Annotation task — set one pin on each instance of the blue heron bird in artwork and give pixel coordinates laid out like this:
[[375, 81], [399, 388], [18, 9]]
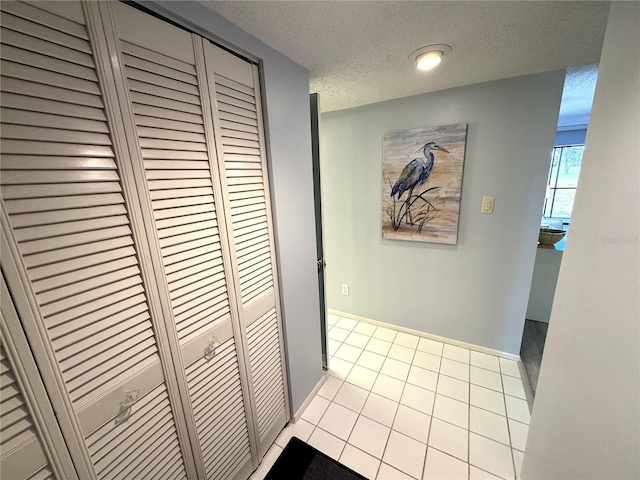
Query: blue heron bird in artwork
[[415, 174]]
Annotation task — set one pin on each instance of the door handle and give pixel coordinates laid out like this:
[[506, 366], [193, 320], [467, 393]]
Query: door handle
[[210, 350], [124, 409]]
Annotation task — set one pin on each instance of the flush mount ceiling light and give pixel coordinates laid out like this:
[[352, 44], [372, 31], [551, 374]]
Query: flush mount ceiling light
[[426, 58]]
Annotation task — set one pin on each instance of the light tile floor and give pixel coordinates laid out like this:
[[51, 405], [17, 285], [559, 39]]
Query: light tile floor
[[398, 406]]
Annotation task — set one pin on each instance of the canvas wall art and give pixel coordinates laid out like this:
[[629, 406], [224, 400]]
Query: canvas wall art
[[422, 183]]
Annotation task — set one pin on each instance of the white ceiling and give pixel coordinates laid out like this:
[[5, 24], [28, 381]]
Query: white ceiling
[[357, 51], [577, 95]]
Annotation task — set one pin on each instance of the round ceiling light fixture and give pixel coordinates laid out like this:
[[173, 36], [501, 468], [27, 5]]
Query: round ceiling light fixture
[[426, 58]]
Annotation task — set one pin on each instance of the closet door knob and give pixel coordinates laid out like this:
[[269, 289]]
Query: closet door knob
[[210, 350], [124, 409]]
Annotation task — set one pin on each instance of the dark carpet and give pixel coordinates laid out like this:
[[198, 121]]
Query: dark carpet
[[300, 461]]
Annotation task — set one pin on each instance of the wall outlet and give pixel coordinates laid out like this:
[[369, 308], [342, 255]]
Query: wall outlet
[[487, 204], [345, 289]]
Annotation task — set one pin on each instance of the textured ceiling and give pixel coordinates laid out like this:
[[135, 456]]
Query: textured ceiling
[[357, 51], [577, 96]]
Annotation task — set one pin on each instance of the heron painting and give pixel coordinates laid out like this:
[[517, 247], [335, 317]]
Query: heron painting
[[422, 183]]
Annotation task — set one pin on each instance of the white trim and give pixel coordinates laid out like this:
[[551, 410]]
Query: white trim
[[458, 343], [310, 397]]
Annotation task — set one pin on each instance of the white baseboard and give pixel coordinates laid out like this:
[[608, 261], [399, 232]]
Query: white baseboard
[[411, 331], [307, 400]]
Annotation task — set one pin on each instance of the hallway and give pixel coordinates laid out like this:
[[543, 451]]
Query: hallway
[[398, 406]]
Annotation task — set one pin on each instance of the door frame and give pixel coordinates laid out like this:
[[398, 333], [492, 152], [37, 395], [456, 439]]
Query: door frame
[[317, 200]]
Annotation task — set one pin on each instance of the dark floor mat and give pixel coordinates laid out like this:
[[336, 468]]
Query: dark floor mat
[[300, 461]]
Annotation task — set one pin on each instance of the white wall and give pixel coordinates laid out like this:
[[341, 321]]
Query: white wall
[[476, 291], [586, 417], [286, 85], [543, 283]]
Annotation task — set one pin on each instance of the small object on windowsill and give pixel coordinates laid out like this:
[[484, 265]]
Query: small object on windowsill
[[548, 222], [550, 236], [558, 247]]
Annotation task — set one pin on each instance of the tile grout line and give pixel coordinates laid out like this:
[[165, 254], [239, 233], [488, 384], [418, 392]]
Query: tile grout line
[[369, 395], [405, 382], [513, 460], [346, 441], [398, 402], [391, 428], [468, 402], [469, 425], [429, 353], [424, 465], [366, 399], [386, 356], [442, 420], [360, 413]]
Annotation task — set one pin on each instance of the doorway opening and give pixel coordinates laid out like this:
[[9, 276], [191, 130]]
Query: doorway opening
[[562, 184], [317, 200]]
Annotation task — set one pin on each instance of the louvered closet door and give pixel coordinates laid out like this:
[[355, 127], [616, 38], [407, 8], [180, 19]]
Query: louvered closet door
[[22, 455], [234, 86], [31, 442], [177, 156], [62, 191]]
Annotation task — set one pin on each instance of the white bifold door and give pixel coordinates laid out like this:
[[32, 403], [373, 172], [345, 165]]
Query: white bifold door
[[137, 248]]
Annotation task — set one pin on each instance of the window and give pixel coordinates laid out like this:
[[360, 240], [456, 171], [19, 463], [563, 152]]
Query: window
[[563, 181]]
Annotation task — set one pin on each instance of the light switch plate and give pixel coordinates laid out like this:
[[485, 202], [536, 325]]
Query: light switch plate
[[345, 289], [487, 204]]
